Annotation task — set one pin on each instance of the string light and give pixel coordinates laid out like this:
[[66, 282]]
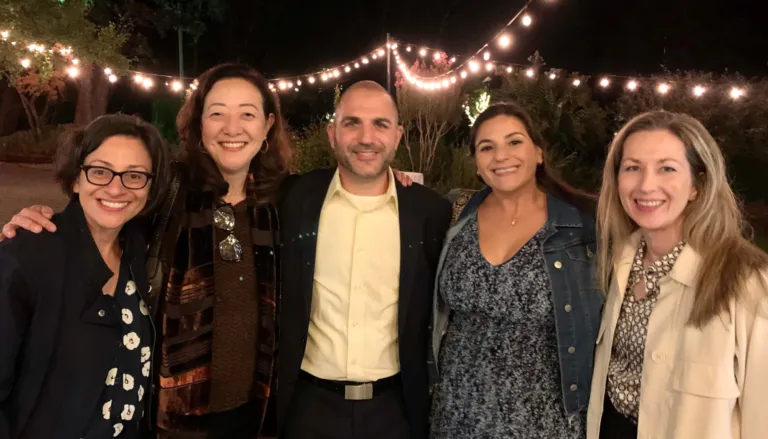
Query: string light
[[437, 56], [632, 85], [527, 20], [509, 69], [489, 66], [408, 49], [505, 41], [113, 78], [663, 88], [107, 71], [25, 63], [474, 66], [148, 83], [73, 72], [736, 93], [553, 76], [576, 82], [529, 73], [177, 86], [487, 56], [605, 82], [423, 52], [699, 91]]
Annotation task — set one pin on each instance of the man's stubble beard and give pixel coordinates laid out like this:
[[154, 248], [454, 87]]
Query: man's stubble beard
[[344, 162]]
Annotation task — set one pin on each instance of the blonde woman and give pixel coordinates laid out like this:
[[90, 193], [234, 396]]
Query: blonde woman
[[681, 351]]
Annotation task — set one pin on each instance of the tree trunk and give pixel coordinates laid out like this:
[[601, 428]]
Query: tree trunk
[[100, 88], [84, 107], [32, 116], [10, 110]]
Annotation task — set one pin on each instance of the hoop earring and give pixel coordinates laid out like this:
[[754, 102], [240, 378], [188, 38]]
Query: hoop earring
[[265, 149]]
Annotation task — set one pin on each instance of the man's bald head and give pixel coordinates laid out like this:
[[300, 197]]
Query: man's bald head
[[366, 87]]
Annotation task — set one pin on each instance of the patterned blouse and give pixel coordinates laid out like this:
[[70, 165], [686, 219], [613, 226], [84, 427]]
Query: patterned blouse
[[625, 370], [121, 407]]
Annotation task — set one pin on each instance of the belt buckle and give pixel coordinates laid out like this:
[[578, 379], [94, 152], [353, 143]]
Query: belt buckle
[[358, 392]]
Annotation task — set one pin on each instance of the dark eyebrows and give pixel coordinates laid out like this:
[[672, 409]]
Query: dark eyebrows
[[110, 165]]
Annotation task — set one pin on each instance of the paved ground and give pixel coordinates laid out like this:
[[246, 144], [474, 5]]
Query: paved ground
[[24, 185]]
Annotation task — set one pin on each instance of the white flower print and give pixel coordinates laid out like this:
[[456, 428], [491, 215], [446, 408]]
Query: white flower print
[[111, 376], [130, 288], [145, 353], [127, 316], [141, 392], [131, 341], [145, 369], [127, 382], [118, 429], [106, 409], [143, 308], [128, 411]]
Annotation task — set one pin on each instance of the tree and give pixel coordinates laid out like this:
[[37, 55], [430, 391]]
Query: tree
[[49, 36], [427, 115]]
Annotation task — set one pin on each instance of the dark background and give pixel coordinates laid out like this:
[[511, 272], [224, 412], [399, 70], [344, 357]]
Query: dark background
[[623, 37]]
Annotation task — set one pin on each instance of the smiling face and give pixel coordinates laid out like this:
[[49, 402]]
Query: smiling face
[[655, 181], [365, 134], [109, 207], [505, 156], [234, 125]]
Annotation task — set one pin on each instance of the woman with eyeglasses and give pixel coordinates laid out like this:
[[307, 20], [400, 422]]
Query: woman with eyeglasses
[[76, 337]]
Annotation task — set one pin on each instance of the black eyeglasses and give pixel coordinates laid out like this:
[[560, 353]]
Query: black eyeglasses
[[101, 176], [230, 248]]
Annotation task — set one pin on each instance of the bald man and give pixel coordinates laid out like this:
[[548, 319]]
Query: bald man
[[360, 253]]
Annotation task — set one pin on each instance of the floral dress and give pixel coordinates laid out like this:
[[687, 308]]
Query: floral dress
[[122, 401]]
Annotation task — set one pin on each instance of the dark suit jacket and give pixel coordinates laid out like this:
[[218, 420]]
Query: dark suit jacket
[[42, 277], [424, 219]]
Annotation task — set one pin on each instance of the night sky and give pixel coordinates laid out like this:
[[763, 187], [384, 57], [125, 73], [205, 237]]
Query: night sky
[[625, 37]]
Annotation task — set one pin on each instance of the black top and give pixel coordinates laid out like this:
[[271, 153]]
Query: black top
[[56, 350], [120, 407]]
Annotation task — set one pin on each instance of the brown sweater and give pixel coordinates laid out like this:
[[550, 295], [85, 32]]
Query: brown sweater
[[235, 324]]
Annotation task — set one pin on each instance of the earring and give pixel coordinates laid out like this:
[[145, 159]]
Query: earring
[[265, 148]]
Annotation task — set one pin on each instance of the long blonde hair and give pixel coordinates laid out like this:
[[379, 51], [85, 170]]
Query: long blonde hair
[[713, 226]]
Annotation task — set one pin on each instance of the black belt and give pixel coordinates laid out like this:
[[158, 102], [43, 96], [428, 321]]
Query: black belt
[[353, 391]]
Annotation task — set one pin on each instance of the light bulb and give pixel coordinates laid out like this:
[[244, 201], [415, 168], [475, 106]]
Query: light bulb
[[529, 73], [576, 82], [423, 52], [112, 78], [505, 41], [489, 66], [487, 55], [605, 82], [176, 86], [311, 79], [138, 79], [552, 76], [527, 20], [73, 72], [25, 63], [107, 71], [474, 66], [663, 88], [736, 93], [509, 69], [699, 91], [148, 83], [632, 85]]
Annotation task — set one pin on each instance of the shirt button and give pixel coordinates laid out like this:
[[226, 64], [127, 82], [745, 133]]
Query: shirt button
[[568, 308], [658, 357], [573, 387], [571, 350], [558, 265], [102, 313], [354, 324]]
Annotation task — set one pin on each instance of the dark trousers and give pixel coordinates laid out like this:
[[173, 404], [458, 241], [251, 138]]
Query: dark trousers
[[614, 425], [317, 413]]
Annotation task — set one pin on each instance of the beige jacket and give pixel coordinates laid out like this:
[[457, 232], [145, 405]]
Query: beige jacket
[[709, 383]]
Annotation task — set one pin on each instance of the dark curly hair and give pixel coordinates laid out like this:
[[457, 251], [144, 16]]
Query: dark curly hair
[[76, 144], [268, 167]]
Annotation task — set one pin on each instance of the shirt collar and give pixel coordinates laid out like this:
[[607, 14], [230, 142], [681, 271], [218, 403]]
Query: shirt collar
[[686, 266], [336, 188]]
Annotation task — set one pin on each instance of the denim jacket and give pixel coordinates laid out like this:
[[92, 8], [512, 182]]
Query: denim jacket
[[569, 251]]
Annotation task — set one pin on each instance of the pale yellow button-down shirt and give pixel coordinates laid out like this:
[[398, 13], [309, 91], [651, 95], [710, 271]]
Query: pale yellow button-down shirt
[[353, 320], [707, 383]]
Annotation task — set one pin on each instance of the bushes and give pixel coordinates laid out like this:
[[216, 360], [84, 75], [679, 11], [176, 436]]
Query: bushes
[[23, 146]]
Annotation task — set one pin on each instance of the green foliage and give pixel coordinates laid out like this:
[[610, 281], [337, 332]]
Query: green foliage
[[164, 112], [312, 150], [56, 26], [190, 16]]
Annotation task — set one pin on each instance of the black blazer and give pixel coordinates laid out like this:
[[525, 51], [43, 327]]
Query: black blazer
[[42, 277], [424, 219]]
